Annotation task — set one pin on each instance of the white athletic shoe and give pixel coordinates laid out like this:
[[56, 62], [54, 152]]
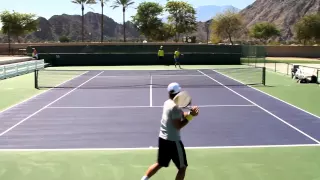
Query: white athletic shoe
[[144, 178]]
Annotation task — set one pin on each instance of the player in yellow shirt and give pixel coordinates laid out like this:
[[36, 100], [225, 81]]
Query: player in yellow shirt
[[177, 58], [161, 54]]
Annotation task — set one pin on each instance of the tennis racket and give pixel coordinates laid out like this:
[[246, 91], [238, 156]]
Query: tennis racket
[[183, 100]]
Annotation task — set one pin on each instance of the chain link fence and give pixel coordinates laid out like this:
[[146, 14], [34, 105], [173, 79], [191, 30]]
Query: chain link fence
[[255, 56]]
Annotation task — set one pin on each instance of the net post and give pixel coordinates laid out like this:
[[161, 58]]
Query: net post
[[264, 76], [36, 79], [255, 61], [318, 76]]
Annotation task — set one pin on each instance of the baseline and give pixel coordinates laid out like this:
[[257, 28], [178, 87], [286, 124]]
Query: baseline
[[124, 107], [154, 148]]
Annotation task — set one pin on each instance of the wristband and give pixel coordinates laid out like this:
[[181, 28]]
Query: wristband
[[189, 117]]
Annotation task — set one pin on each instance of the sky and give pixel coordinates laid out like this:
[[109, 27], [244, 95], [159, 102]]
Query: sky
[[49, 8]]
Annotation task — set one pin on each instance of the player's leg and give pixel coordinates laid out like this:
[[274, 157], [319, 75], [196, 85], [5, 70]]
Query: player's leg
[[179, 63], [180, 160], [175, 62], [152, 170], [162, 161], [160, 59]]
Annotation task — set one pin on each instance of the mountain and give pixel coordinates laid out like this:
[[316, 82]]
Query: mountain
[[70, 26], [283, 13], [205, 13]]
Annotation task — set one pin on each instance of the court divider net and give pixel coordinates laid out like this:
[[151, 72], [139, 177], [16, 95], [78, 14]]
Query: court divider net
[[112, 79]]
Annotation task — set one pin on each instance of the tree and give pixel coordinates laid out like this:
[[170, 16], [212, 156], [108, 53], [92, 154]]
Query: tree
[[147, 21], [226, 25], [102, 3], [17, 24], [165, 32], [215, 39], [182, 16], [264, 31], [64, 39], [124, 4], [83, 3], [308, 28]]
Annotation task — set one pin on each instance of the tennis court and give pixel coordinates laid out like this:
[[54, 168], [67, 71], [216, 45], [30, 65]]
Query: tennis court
[[122, 109]]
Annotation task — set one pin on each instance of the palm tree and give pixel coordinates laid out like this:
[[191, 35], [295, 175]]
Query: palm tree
[[103, 2], [125, 4], [82, 3]]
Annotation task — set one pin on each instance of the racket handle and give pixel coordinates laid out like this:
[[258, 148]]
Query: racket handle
[[189, 108]]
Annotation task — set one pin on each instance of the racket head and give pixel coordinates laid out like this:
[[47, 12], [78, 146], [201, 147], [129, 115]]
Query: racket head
[[182, 99]]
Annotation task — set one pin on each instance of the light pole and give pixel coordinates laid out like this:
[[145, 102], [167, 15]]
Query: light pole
[[90, 34], [207, 29], [9, 41]]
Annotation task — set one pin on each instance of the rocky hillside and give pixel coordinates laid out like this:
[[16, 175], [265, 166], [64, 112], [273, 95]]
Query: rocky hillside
[[284, 13], [70, 26]]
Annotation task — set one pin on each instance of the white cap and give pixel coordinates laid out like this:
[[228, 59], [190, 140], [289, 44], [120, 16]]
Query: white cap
[[174, 88]]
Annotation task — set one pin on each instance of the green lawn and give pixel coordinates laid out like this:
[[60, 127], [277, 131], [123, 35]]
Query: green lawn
[[16, 89], [295, 163], [305, 96], [292, 163]]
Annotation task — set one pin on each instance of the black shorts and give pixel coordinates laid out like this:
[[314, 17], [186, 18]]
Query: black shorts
[[160, 57], [171, 150]]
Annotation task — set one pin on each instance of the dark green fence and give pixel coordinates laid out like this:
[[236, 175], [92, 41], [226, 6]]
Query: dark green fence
[[139, 48], [251, 55], [88, 59], [93, 55]]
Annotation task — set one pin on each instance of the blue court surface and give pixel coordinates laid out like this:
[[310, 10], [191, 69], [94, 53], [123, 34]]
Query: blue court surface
[[122, 109]]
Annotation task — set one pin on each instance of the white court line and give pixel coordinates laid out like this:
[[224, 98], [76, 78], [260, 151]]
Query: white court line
[[293, 127], [179, 75], [44, 107], [151, 91], [128, 107], [126, 77], [270, 94], [154, 148], [31, 98]]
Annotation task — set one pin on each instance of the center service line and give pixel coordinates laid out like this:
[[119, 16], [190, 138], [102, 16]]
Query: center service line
[[150, 91]]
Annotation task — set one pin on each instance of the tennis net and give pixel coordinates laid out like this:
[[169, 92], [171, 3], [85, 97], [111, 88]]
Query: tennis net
[[93, 79], [318, 76]]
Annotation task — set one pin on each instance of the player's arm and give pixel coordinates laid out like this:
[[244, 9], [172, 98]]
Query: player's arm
[[179, 124]]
